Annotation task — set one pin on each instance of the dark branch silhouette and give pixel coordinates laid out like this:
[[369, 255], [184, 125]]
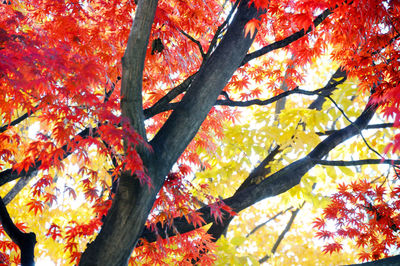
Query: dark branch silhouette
[[288, 40], [275, 184], [281, 236], [25, 241], [17, 120], [357, 162]]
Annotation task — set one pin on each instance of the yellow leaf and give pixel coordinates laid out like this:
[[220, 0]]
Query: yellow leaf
[[331, 171], [346, 171], [238, 240]]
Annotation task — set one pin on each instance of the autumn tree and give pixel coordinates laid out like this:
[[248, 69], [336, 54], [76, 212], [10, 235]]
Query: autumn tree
[[146, 131]]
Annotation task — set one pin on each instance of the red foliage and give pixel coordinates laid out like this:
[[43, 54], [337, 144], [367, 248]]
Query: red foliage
[[366, 213], [61, 61]]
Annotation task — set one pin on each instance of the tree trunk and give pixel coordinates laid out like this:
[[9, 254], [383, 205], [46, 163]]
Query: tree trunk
[[132, 204], [127, 217]]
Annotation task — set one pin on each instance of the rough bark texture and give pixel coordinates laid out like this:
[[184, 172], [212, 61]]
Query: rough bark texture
[[214, 74], [125, 221], [123, 224], [132, 203]]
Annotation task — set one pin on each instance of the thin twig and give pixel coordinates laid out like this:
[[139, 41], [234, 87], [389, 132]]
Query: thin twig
[[282, 235], [374, 126], [269, 220], [357, 162], [196, 42], [361, 134]]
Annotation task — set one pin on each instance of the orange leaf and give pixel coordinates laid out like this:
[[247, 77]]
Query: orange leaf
[[251, 27]]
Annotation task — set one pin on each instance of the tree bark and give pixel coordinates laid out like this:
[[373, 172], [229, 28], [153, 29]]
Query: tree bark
[[132, 204], [273, 185], [391, 261]]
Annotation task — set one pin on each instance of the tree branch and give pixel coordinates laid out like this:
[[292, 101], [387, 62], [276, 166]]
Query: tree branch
[[17, 120], [133, 65], [275, 184], [269, 220], [391, 261], [10, 174], [339, 77], [162, 104], [374, 126], [220, 28], [132, 202], [348, 119], [288, 40], [296, 90], [356, 162], [25, 241], [282, 235], [214, 74], [219, 228], [196, 42], [228, 102], [22, 182]]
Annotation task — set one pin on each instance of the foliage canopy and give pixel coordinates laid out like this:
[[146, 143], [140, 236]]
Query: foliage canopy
[[191, 133]]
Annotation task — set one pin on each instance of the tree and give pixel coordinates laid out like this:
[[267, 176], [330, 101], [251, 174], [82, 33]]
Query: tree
[[124, 137]]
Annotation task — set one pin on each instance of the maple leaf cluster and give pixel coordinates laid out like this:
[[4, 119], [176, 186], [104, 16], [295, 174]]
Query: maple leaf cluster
[[366, 213], [64, 73], [180, 198], [60, 66]]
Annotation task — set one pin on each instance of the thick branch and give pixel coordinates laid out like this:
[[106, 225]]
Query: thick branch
[[217, 229], [339, 77], [391, 261], [133, 65], [276, 183], [132, 202], [221, 28], [25, 241], [162, 104], [214, 74], [261, 170], [22, 182]]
